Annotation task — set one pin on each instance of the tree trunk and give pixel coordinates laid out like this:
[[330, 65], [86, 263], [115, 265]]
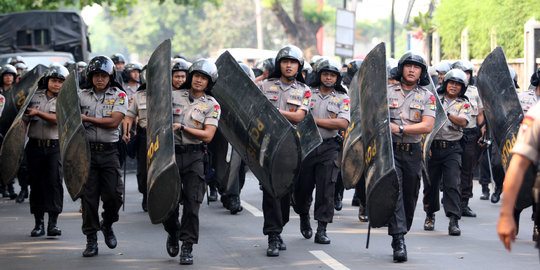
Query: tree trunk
[[300, 32]]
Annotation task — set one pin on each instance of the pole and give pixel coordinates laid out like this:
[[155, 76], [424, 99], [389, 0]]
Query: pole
[[392, 32]]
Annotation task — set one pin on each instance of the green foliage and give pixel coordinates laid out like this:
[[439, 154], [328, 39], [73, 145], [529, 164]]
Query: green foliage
[[504, 18], [368, 34], [309, 9]]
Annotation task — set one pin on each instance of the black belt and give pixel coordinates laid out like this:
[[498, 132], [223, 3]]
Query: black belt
[[95, 146], [470, 130], [406, 147], [444, 144], [44, 143], [187, 148]]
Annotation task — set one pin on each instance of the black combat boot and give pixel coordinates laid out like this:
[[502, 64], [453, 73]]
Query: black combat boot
[[338, 203], [212, 196], [273, 245], [52, 229], [23, 194], [108, 235], [173, 248], [39, 228], [91, 246], [320, 236], [234, 204], [144, 203], [186, 257], [485, 192], [11, 191], [305, 226], [429, 223], [453, 227], [466, 211], [400, 250], [282, 245], [362, 214], [496, 196]]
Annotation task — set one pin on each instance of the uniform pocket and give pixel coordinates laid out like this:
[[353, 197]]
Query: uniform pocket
[[415, 112]]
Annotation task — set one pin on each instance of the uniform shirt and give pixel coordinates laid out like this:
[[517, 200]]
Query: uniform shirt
[[409, 110], [38, 128], [331, 106], [476, 104], [293, 97], [137, 107], [528, 139], [194, 114], [458, 107], [130, 91], [2, 104], [92, 105], [527, 99]]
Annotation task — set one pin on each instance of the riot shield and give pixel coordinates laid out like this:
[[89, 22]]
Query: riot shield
[[16, 96], [74, 147], [309, 135], [221, 152], [163, 175], [265, 140], [440, 119], [503, 113], [382, 185], [12, 150], [352, 162]]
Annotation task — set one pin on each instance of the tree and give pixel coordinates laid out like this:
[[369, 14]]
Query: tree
[[424, 27]]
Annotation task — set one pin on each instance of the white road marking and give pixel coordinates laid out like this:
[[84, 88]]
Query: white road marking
[[252, 209], [325, 258]]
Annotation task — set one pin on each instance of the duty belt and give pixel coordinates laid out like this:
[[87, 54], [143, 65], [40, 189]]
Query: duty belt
[[443, 144], [405, 147], [100, 147], [187, 148], [44, 143]]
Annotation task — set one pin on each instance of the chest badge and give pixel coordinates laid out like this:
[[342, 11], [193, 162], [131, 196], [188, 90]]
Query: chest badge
[[347, 103], [122, 97]]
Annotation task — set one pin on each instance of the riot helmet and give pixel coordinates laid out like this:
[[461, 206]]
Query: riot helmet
[[129, 68], [101, 63], [118, 58], [443, 67], [464, 65], [456, 75], [307, 68], [353, 67], [513, 75], [417, 60], [80, 65], [293, 53], [55, 70], [21, 68], [332, 65], [535, 78], [179, 64], [247, 70], [314, 59], [8, 69], [15, 60], [205, 67]]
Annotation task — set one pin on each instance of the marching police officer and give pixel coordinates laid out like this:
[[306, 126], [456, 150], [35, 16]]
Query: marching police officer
[[8, 76], [412, 113], [131, 75], [119, 61], [330, 108], [43, 152], [103, 107], [286, 90], [445, 161], [195, 120]]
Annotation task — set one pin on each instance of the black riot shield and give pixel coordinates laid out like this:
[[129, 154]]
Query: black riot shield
[[352, 162], [163, 175], [440, 119], [503, 113], [220, 150], [74, 147], [12, 150], [382, 186], [16, 96], [309, 135], [265, 140]]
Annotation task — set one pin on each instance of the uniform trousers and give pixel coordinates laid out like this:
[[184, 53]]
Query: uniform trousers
[[319, 169], [409, 170], [191, 169], [275, 212], [142, 171], [104, 181], [445, 164], [470, 156], [45, 172]]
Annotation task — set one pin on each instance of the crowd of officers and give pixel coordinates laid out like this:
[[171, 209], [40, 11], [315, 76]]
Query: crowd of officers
[[114, 112]]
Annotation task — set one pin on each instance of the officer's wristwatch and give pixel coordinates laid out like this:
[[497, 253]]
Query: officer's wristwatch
[[181, 127], [401, 128]]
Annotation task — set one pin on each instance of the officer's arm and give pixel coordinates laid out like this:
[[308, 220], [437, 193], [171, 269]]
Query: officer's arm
[[126, 125], [49, 117], [458, 121], [419, 128], [506, 227], [106, 122], [294, 117], [206, 135], [332, 123]]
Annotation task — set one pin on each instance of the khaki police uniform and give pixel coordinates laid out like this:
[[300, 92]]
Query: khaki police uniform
[[320, 167], [43, 156], [527, 99], [407, 109], [190, 151], [104, 180], [137, 107], [293, 97], [2, 104], [445, 161], [130, 90]]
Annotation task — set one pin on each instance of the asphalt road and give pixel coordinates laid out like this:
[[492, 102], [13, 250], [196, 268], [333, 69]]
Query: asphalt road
[[236, 241]]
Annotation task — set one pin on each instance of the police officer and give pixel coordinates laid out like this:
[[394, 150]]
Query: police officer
[[442, 68], [131, 75], [103, 107], [266, 67], [8, 76], [330, 108], [286, 90], [445, 161], [471, 136], [412, 113], [119, 61], [43, 152], [195, 120]]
